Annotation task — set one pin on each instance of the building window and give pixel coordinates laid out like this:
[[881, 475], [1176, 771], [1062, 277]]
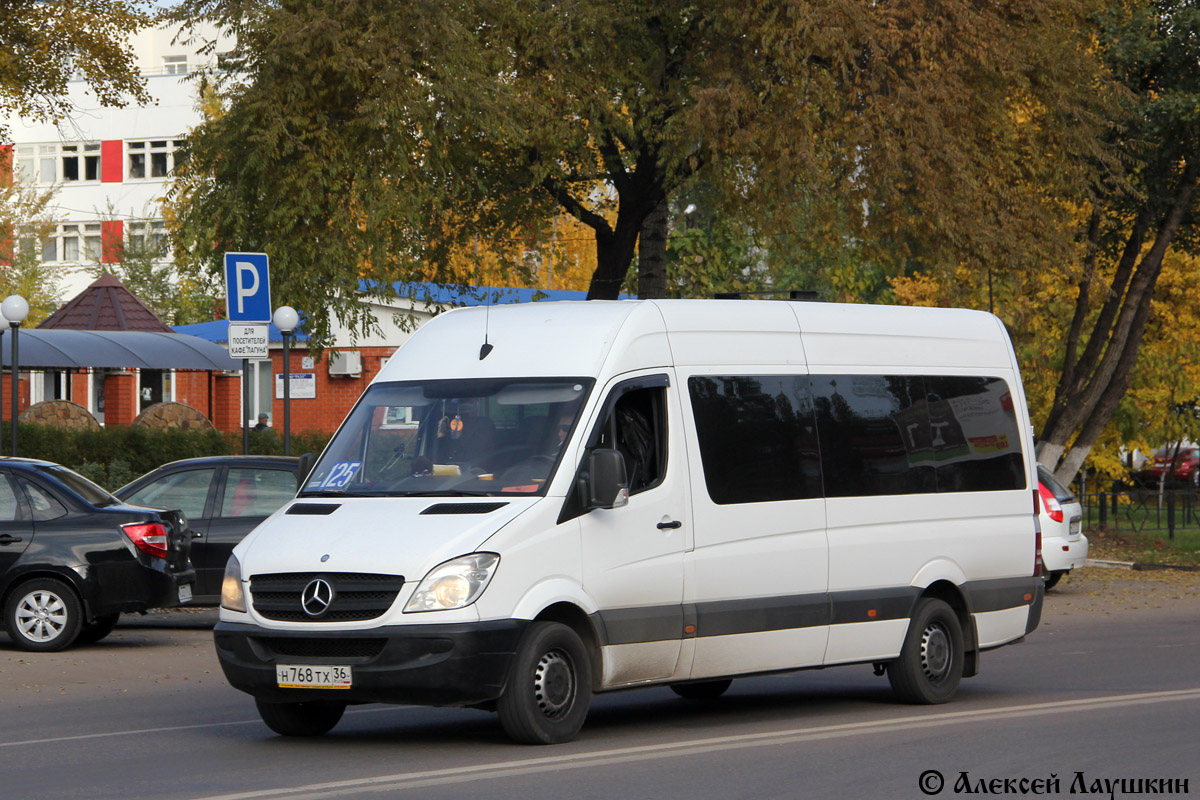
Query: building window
[[75, 242], [47, 163], [153, 159], [148, 236], [81, 162], [24, 162], [175, 65], [92, 244], [69, 236]]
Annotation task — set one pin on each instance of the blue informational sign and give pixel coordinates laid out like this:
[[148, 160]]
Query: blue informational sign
[[247, 287]]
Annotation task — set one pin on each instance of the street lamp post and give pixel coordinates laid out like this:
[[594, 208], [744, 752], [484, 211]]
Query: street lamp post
[[1, 381], [286, 319], [14, 309]]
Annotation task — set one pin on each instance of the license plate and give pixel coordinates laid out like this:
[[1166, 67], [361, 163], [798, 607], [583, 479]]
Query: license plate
[[1076, 526], [185, 593], [312, 676]]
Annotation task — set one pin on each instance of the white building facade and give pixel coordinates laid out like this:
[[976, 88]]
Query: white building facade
[[111, 166]]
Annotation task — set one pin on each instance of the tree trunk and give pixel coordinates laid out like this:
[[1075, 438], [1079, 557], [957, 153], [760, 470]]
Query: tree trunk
[[614, 254], [1084, 404], [652, 254]]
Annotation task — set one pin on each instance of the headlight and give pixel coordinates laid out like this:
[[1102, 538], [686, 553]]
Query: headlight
[[454, 584], [232, 596]]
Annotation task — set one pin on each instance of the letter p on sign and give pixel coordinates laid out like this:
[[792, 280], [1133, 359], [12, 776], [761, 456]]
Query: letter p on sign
[[247, 287]]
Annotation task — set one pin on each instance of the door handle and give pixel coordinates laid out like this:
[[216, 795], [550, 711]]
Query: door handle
[[670, 526], [8, 539]]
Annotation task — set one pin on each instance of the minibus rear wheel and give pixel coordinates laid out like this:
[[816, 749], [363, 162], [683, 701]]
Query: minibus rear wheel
[[930, 665], [550, 687], [300, 719]]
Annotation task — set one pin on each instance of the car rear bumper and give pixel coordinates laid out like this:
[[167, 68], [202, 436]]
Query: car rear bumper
[[441, 665], [1060, 555]]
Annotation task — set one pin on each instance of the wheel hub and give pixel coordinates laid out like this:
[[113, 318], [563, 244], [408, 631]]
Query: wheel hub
[[554, 684], [935, 652], [40, 616]]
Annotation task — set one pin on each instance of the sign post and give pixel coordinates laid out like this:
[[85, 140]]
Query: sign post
[[247, 301]]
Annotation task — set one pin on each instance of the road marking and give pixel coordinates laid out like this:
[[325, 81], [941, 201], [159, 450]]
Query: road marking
[[692, 747], [144, 731]]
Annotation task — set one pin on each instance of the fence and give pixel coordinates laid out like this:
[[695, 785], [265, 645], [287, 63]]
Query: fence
[[1142, 510]]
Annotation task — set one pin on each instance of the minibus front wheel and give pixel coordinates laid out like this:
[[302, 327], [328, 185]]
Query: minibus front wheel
[[300, 719], [930, 665], [550, 687]]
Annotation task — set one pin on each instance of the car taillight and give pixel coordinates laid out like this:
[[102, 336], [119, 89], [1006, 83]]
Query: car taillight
[[1053, 507], [149, 537]]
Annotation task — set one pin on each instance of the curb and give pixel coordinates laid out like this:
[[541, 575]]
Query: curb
[[1138, 566]]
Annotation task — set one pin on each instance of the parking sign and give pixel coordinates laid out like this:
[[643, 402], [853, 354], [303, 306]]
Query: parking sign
[[247, 287]]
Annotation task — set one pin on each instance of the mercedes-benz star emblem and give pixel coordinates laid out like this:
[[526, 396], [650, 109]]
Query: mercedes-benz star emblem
[[316, 597]]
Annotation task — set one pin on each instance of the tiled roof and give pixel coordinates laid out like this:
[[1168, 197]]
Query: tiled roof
[[106, 305]]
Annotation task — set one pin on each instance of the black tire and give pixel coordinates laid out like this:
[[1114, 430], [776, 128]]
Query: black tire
[[43, 615], [314, 718], [1052, 578], [549, 688], [701, 690], [930, 665], [92, 632]]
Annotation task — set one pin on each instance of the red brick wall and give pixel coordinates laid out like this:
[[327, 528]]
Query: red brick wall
[[227, 402], [6, 394], [193, 389], [79, 388], [120, 399], [336, 394]]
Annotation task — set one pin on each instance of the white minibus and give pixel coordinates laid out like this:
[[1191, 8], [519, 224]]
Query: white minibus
[[534, 503]]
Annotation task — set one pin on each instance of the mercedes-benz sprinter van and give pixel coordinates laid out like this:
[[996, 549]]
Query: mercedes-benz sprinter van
[[534, 503]]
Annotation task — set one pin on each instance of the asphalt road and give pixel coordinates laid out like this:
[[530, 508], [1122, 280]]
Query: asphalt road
[[1107, 689]]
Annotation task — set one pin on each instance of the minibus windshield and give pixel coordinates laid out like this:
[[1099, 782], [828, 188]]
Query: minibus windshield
[[451, 438]]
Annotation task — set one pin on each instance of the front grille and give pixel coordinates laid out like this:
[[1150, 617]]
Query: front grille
[[324, 648], [356, 596]]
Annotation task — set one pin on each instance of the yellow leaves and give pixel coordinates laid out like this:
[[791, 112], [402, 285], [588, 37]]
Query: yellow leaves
[[922, 289]]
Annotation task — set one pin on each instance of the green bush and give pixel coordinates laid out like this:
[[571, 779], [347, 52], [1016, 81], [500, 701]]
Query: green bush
[[114, 456]]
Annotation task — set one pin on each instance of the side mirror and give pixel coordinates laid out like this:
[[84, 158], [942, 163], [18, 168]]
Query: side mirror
[[608, 486], [306, 464]]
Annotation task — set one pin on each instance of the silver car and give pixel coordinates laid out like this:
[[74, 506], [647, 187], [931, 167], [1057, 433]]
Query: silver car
[[1064, 547]]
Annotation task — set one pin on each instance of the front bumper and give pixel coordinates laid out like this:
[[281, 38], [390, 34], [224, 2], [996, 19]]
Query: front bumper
[[439, 665]]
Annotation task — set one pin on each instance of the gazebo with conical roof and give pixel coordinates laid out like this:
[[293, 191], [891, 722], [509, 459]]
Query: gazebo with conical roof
[[106, 305], [111, 353]]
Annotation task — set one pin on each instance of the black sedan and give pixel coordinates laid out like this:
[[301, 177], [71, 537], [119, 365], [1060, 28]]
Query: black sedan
[[224, 498], [73, 556]]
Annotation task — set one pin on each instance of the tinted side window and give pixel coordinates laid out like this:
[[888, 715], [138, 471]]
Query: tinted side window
[[757, 438], [256, 492], [43, 505], [874, 434], [186, 491], [976, 441], [637, 427], [10, 509]]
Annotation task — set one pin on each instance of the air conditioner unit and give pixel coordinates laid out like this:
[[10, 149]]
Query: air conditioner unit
[[345, 362]]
